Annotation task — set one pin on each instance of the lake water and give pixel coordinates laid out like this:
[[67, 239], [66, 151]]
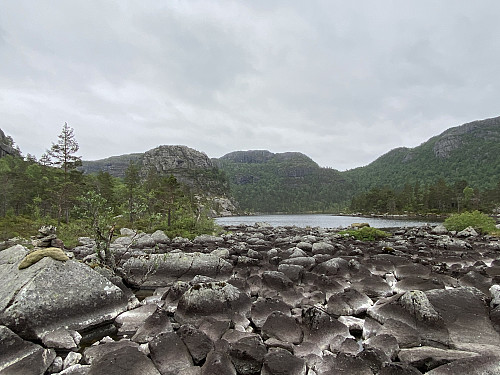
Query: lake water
[[323, 221]]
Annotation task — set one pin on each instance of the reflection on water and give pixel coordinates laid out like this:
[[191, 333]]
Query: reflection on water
[[323, 221]]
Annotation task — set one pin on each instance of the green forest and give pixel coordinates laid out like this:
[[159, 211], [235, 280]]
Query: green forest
[[423, 199], [53, 191]]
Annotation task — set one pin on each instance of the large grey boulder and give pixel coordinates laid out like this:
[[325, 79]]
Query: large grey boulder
[[216, 299], [159, 270], [19, 357], [465, 313], [51, 294]]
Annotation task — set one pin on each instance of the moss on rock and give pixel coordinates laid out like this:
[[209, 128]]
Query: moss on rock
[[35, 256]]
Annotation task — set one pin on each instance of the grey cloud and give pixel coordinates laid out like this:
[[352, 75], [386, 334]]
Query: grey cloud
[[343, 82]]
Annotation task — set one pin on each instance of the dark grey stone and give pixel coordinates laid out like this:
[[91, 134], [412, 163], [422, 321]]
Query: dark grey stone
[[123, 361], [20, 357], [169, 353]]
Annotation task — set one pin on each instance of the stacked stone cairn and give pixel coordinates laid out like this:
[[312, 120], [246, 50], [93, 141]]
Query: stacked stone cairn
[[47, 237]]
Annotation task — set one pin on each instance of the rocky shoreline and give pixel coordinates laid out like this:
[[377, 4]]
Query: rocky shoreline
[[256, 300]]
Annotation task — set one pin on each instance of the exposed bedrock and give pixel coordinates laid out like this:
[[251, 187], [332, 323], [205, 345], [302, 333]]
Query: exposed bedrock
[[260, 300]]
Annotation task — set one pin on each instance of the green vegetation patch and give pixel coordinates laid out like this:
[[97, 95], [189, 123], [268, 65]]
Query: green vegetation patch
[[479, 221], [366, 233]]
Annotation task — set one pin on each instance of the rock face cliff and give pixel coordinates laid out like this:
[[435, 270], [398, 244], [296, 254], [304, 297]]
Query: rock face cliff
[[5, 146], [454, 138], [190, 167]]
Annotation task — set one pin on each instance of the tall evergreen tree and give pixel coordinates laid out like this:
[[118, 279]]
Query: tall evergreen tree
[[63, 152], [62, 155]]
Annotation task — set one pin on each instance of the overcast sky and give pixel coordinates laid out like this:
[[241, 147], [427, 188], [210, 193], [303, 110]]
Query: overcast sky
[[340, 81]]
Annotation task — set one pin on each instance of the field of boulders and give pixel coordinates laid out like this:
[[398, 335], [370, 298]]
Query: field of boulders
[[256, 300]]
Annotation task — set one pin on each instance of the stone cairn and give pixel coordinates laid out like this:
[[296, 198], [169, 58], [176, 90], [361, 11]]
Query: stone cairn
[[47, 237]]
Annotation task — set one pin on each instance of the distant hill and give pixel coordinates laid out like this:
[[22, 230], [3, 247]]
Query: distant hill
[[469, 152], [188, 166], [262, 181]]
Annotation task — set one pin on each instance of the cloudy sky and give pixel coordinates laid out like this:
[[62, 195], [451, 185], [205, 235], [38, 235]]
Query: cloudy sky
[[341, 81]]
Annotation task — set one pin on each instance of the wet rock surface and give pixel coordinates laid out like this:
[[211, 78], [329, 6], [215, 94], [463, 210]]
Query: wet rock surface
[[263, 300]]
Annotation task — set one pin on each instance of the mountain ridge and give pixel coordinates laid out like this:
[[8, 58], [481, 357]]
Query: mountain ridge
[[263, 181]]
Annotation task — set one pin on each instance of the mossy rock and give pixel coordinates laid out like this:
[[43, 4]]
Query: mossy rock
[[35, 256]]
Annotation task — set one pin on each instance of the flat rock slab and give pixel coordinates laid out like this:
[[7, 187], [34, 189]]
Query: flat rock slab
[[129, 321], [51, 294], [426, 358], [159, 270]]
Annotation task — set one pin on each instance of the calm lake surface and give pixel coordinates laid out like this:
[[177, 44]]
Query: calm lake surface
[[323, 221]]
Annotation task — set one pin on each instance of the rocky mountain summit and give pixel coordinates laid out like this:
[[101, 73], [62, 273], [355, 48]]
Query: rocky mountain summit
[[258, 300], [190, 167]]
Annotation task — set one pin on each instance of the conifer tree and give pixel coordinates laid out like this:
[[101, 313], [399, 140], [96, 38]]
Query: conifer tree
[[62, 155], [63, 152]]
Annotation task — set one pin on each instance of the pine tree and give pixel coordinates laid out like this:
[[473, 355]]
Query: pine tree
[[63, 152], [62, 155]]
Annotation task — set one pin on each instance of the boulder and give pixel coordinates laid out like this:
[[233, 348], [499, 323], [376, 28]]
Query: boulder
[[159, 270], [158, 322], [349, 302], [105, 347], [247, 355], [123, 361], [218, 363], [62, 339], [77, 370], [129, 322], [465, 313], [51, 294], [280, 361], [197, 342], [413, 319], [320, 328], [323, 248], [282, 327], [216, 299], [386, 343], [20, 357], [398, 369], [263, 307], [169, 353]]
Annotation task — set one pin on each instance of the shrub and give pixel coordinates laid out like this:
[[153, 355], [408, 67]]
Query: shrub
[[479, 221], [366, 233]]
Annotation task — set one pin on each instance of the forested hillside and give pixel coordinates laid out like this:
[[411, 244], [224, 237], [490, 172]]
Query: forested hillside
[[429, 178], [285, 182], [54, 191], [470, 152]]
